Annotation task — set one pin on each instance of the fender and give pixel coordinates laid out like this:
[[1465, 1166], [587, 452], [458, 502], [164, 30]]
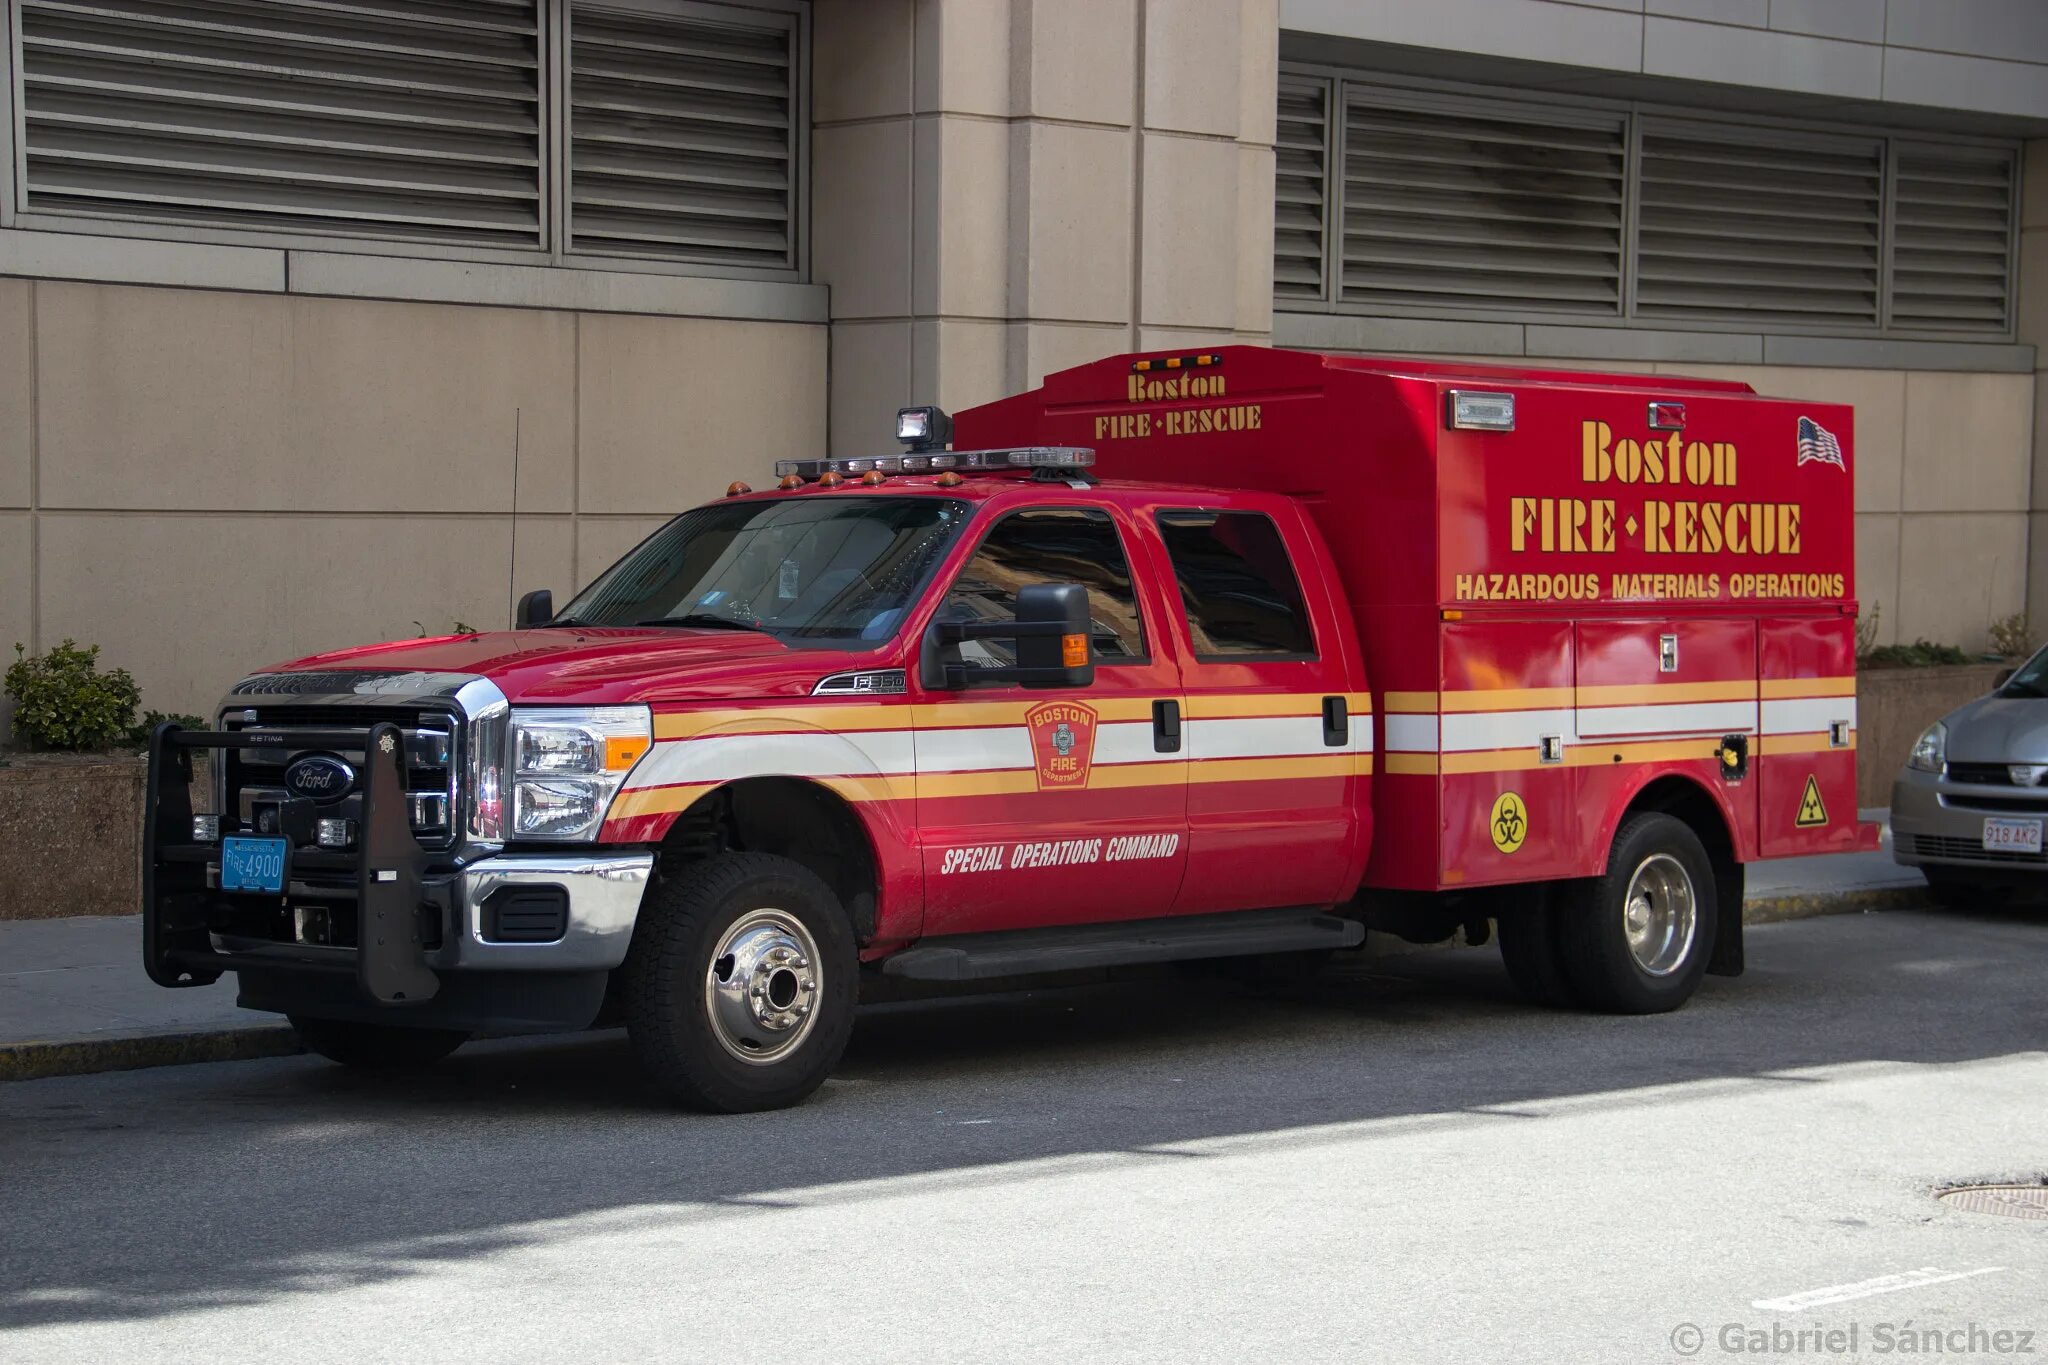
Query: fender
[[1624, 795], [871, 769]]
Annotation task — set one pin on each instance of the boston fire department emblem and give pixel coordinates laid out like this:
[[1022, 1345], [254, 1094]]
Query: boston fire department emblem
[[1063, 741]]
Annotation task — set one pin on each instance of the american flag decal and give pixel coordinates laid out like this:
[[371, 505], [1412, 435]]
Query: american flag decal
[[1816, 442]]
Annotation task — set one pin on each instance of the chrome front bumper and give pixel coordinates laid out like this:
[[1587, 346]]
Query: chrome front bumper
[[603, 890], [1936, 821]]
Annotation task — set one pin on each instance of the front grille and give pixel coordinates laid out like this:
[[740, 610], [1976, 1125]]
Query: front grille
[[2034, 803], [1944, 846], [1980, 775], [433, 741]]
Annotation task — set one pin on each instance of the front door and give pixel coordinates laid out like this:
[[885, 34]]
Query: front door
[[1051, 805]]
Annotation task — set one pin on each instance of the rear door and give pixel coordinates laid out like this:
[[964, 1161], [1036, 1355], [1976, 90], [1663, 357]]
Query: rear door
[[1278, 752], [1040, 806], [1806, 772]]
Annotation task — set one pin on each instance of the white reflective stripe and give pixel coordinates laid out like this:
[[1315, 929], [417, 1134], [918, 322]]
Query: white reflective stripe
[[1412, 734], [1474, 730], [1686, 718], [974, 750], [725, 758], [1807, 715], [1257, 737], [1129, 741]]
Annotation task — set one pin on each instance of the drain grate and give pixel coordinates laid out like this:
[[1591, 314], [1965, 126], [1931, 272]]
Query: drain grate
[[2013, 1201]]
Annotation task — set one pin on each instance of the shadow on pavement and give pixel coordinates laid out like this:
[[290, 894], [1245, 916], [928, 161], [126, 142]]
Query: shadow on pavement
[[145, 1193]]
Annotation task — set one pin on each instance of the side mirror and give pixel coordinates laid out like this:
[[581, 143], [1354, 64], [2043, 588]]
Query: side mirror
[[537, 608], [1051, 630]]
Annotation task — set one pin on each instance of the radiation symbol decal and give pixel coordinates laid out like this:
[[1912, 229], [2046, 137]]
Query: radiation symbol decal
[[1812, 812], [1509, 822]]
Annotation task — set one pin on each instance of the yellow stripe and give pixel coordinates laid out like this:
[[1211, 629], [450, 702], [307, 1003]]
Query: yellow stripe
[[657, 800], [1267, 769], [840, 716], [1411, 703], [1583, 756], [1250, 704], [1415, 764], [1507, 699], [1809, 743], [1739, 689], [1780, 689]]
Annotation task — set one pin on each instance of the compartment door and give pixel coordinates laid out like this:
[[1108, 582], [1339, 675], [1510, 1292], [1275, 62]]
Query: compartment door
[[1806, 777], [1661, 692]]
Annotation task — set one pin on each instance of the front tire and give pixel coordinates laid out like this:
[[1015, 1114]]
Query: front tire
[[1637, 939], [376, 1047], [740, 985]]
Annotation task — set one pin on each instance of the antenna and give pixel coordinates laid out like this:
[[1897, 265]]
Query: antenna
[[512, 558]]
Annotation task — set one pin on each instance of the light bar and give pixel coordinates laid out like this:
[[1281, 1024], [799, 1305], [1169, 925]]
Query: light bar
[[1019, 457], [1470, 410]]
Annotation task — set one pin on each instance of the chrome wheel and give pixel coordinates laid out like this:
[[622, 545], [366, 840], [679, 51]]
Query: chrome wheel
[[1660, 914], [762, 991]]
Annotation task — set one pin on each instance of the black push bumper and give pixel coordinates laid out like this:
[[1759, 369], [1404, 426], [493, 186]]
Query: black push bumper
[[401, 897]]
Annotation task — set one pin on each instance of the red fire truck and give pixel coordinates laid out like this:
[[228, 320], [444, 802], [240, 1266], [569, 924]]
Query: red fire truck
[[1234, 654]]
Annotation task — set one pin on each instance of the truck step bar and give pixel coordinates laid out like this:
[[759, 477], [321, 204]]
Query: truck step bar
[[1024, 952]]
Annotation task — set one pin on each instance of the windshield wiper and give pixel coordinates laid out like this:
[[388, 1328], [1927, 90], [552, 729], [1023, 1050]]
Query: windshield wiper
[[701, 618], [570, 622]]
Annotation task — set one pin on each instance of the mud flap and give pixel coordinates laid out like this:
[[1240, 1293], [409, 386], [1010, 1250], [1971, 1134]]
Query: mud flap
[[1728, 882]]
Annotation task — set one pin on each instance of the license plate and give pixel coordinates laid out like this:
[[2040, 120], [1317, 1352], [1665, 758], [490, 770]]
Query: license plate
[[248, 864], [2012, 836]]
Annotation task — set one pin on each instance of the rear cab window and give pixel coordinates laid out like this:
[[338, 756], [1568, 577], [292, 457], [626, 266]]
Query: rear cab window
[[1238, 587]]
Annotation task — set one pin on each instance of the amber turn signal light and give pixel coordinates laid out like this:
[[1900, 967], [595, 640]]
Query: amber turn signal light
[[1073, 651], [736, 487]]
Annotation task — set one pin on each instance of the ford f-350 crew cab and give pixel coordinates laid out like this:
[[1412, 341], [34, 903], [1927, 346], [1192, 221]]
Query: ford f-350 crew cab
[[1179, 656]]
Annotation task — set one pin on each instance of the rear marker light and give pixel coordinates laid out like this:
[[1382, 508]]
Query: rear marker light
[[1667, 417], [1471, 410]]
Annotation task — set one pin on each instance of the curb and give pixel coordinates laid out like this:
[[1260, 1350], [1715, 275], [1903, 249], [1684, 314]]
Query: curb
[[127, 1052], [1810, 905]]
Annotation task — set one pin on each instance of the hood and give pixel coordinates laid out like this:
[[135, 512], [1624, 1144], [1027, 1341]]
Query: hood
[[601, 667], [1999, 730]]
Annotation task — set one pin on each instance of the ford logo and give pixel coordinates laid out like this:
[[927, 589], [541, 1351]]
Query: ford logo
[[319, 777]]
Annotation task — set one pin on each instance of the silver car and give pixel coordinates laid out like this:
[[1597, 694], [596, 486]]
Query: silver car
[[1969, 805]]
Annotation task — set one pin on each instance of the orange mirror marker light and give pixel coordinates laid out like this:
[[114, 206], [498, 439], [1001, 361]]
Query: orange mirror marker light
[[1073, 651]]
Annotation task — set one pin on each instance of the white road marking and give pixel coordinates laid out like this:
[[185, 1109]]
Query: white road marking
[[1863, 1289]]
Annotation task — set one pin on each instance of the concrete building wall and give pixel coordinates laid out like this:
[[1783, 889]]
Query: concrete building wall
[[1009, 187], [207, 481]]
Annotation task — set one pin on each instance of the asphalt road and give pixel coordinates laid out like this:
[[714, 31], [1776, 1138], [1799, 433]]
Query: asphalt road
[[1397, 1163]]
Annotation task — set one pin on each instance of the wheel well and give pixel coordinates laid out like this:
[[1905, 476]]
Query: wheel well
[[791, 818], [1689, 802]]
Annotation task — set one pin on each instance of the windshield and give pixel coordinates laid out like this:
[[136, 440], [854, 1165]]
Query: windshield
[[2030, 679], [798, 568]]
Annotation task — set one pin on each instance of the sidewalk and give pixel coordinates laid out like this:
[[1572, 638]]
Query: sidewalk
[[73, 997]]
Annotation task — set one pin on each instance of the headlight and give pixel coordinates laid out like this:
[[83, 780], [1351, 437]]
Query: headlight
[[568, 763], [1930, 751]]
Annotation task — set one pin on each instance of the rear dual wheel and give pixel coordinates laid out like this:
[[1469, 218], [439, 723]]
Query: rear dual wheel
[[1634, 940]]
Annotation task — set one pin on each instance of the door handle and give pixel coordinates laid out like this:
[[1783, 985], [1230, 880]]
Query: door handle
[[1336, 722], [1166, 727]]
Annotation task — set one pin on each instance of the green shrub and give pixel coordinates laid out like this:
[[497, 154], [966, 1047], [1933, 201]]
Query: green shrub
[[1919, 654], [139, 732], [63, 701]]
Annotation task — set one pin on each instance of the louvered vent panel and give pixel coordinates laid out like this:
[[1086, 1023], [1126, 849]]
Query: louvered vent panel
[[380, 118], [1742, 224], [1484, 206], [1301, 160], [1952, 215], [682, 136]]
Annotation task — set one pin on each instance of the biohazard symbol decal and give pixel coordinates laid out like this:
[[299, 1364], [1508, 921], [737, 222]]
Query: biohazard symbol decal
[[1063, 741], [1812, 811], [1509, 822]]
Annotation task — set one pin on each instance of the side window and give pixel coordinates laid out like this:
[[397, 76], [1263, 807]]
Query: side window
[[1049, 545], [1237, 585]]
